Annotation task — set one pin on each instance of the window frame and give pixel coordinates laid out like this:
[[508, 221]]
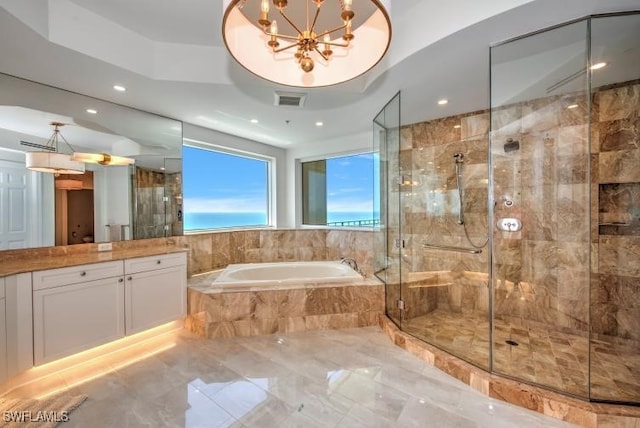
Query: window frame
[[300, 191], [271, 179]]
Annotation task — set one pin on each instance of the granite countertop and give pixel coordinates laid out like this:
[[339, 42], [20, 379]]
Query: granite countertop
[[34, 260]]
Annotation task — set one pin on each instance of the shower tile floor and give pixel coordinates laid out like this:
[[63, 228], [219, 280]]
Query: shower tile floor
[[335, 378], [553, 359]]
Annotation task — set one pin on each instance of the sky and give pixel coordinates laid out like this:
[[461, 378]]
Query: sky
[[238, 184], [350, 183]]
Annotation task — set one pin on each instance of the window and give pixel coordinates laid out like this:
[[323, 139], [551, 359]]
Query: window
[[223, 190], [341, 191]]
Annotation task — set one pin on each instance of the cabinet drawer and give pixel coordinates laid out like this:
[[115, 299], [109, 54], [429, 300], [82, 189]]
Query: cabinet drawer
[[75, 274], [143, 264]]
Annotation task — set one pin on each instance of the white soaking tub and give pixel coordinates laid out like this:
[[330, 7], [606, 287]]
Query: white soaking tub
[[285, 274]]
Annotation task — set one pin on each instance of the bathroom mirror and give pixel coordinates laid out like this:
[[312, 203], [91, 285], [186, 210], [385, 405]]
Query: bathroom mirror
[[107, 203]]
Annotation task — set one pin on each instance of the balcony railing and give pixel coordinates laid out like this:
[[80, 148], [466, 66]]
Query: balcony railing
[[355, 223]]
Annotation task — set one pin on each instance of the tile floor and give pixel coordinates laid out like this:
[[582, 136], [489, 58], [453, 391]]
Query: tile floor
[[550, 358], [334, 378]]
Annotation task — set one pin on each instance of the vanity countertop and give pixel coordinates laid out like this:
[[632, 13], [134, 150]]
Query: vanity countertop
[[37, 259]]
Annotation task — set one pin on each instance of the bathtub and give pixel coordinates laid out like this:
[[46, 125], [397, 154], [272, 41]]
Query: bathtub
[[279, 274]]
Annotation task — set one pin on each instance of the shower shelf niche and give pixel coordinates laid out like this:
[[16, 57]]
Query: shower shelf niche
[[619, 209]]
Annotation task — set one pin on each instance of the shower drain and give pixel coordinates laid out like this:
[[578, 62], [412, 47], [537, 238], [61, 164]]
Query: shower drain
[[511, 342]]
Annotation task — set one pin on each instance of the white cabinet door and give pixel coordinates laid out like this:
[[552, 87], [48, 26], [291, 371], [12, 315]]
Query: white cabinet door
[[3, 339], [154, 298], [73, 318]]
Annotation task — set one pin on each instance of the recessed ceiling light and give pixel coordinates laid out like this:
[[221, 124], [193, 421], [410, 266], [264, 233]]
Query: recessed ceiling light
[[598, 65], [119, 88], [456, 126], [162, 168], [319, 123], [443, 101], [254, 121], [92, 111], [572, 106]]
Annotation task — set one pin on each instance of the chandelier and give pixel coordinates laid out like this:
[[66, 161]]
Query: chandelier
[[50, 159], [307, 43]]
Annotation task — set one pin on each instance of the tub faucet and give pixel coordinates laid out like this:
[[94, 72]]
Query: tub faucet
[[351, 262]]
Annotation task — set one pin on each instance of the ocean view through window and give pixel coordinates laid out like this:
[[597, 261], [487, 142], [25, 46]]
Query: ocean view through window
[[223, 190], [341, 191]]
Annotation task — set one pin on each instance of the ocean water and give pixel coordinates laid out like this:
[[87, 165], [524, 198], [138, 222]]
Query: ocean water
[[196, 221], [199, 221]]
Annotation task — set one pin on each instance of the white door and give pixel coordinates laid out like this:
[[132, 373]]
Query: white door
[[14, 215]]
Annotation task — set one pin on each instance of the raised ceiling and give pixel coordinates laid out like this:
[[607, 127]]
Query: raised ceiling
[[170, 56]]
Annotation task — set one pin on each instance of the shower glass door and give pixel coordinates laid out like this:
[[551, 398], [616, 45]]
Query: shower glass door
[[388, 241], [540, 108]]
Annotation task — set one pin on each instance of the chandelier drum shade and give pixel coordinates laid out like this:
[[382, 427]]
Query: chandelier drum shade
[[49, 159], [307, 43]]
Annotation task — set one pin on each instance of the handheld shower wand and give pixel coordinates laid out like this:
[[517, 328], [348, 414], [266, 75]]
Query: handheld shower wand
[[459, 159]]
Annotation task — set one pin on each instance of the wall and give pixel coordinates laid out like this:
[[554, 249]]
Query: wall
[[615, 172], [216, 250], [451, 281]]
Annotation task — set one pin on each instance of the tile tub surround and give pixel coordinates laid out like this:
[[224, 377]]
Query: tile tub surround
[[575, 411], [215, 312]]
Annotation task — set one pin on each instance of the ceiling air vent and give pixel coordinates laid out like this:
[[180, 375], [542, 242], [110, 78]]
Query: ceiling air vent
[[289, 99]]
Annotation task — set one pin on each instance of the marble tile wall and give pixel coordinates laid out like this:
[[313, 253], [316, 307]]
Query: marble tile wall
[[210, 251], [150, 214], [615, 279], [430, 206]]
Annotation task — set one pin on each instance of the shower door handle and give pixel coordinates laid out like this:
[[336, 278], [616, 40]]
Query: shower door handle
[[509, 224]]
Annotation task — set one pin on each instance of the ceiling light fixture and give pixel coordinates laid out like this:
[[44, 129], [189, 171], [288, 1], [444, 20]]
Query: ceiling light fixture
[[598, 66], [254, 121], [102, 159], [119, 88], [315, 34], [319, 123], [50, 160], [92, 111], [442, 102]]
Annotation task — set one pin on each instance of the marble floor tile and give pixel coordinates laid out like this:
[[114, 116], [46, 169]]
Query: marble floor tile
[[339, 378]]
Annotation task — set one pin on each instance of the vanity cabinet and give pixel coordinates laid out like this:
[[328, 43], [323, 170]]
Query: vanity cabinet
[[80, 307], [3, 333], [155, 291], [76, 308]]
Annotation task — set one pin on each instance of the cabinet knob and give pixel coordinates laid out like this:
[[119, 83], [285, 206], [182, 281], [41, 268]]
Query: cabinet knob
[[83, 274], [121, 280], [130, 278], [158, 262]]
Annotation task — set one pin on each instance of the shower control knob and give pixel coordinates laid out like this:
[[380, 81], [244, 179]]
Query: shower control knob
[[508, 203], [509, 224]]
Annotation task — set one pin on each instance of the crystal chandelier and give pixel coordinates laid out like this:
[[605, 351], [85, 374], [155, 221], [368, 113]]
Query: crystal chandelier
[[329, 40]]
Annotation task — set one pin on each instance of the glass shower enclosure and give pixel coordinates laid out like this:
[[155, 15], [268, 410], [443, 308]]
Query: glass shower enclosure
[[510, 234]]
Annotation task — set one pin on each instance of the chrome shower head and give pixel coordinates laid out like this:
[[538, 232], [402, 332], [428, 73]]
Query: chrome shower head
[[459, 157]]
